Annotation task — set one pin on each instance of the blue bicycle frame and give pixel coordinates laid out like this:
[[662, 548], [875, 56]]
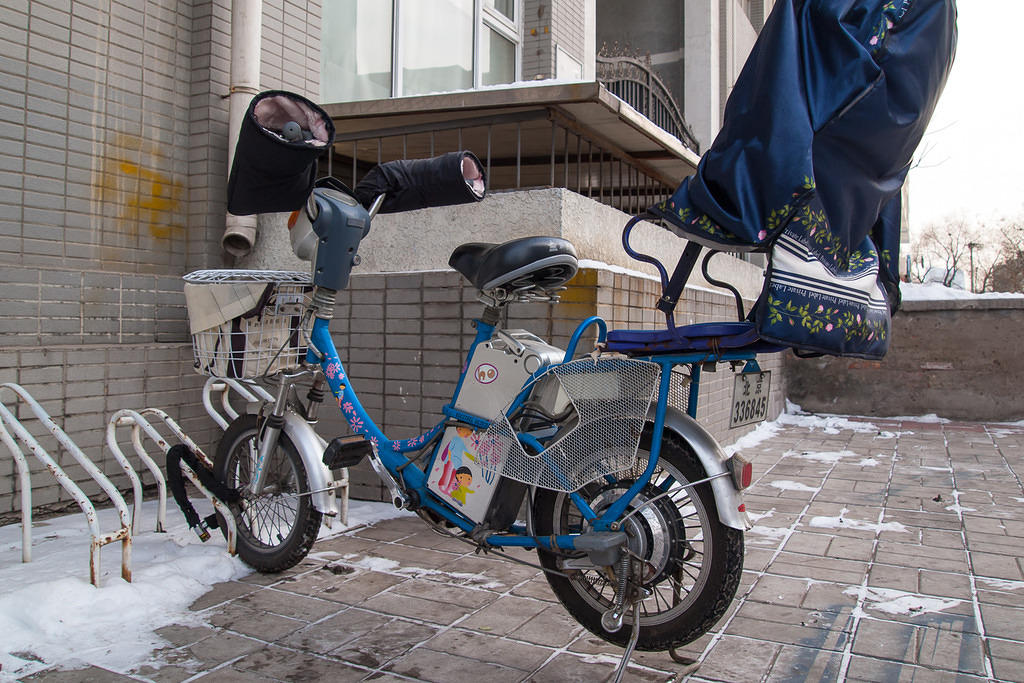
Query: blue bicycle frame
[[392, 452]]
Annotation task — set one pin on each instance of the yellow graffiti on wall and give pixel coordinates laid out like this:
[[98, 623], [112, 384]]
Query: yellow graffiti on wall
[[135, 185]]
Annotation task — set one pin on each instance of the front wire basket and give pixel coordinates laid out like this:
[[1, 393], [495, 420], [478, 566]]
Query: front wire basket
[[247, 324]]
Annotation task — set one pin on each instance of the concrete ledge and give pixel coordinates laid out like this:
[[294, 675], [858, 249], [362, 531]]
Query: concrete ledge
[[979, 304], [955, 359], [423, 240]]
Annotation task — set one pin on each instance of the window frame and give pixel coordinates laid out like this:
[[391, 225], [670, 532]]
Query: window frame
[[490, 18]]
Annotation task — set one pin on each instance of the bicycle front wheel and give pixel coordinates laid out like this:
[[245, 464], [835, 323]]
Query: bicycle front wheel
[[277, 528]]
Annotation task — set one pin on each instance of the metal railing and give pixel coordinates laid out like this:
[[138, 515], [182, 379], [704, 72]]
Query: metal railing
[[634, 82], [537, 148]]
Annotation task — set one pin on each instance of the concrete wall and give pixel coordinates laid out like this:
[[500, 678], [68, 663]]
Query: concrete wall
[[423, 240], [718, 36], [955, 359]]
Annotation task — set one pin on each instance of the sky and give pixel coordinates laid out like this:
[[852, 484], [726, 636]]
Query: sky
[[972, 157]]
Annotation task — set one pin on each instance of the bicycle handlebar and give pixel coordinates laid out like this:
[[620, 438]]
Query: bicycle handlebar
[[409, 184]]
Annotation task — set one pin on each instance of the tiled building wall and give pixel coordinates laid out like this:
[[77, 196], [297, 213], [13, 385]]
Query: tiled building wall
[[113, 167], [538, 58], [569, 28], [547, 24], [403, 339], [113, 129]]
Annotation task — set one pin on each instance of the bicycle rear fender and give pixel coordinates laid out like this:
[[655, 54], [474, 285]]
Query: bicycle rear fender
[[727, 499], [311, 449]]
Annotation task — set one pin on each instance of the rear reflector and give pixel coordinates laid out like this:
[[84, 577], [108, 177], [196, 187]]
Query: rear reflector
[[742, 471]]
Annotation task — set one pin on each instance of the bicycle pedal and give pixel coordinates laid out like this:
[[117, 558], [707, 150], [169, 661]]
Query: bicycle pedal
[[346, 451]]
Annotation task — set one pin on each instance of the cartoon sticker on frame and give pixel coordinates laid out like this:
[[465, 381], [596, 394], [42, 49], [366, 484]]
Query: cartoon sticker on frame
[[464, 474]]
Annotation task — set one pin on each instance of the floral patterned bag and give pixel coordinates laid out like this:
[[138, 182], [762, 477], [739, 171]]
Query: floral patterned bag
[[812, 303]]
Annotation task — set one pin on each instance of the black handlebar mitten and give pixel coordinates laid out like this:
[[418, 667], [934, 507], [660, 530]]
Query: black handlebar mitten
[[281, 136], [453, 178]]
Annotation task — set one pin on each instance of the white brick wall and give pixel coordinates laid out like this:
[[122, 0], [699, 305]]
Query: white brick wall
[[550, 23], [113, 154]]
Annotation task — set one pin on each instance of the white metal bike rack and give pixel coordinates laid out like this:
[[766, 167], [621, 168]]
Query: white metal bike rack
[[12, 431], [249, 391], [139, 424], [9, 422]]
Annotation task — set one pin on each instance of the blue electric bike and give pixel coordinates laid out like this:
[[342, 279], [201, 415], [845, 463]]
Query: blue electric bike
[[591, 455]]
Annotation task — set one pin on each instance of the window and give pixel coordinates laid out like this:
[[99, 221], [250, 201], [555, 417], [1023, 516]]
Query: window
[[374, 49], [355, 50], [505, 7], [435, 45], [497, 58]]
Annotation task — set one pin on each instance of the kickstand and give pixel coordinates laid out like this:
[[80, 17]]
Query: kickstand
[[690, 665], [634, 636]]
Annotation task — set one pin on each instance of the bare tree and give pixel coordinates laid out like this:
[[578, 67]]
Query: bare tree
[[1007, 272], [951, 246]]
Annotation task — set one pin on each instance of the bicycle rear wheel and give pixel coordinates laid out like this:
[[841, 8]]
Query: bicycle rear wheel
[[277, 528], [692, 562]]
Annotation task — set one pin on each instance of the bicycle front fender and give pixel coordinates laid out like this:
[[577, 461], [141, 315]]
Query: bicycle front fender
[[311, 448], [727, 499]]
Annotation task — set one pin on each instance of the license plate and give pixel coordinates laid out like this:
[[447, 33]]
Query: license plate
[[750, 398]]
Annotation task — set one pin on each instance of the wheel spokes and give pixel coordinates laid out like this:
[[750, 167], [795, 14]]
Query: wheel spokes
[[270, 517]]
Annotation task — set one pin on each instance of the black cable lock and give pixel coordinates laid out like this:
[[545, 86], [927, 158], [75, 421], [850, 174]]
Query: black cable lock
[[176, 482]]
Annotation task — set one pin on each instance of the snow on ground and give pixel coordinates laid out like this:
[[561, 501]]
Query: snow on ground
[[830, 424], [891, 601], [843, 522], [933, 291], [748, 441], [787, 485], [828, 457], [386, 566], [767, 535], [1001, 584], [50, 613]]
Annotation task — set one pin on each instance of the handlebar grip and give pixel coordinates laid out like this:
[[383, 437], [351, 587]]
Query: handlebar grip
[[274, 166], [453, 178]]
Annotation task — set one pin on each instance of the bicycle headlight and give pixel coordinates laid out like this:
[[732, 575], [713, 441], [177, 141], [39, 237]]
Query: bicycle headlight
[[301, 235]]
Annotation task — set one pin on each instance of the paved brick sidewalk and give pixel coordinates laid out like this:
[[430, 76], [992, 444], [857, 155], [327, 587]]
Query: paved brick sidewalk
[[881, 551]]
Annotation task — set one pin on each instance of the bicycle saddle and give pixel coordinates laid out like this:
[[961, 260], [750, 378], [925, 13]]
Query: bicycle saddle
[[529, 262]]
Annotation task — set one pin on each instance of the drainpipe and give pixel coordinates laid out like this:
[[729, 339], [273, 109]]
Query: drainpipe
[[246, 25]]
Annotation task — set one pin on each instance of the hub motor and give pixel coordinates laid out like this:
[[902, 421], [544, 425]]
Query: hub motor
[[655, 527]]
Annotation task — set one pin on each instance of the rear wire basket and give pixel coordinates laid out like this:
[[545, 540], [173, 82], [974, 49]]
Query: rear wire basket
[[247, 324], [610, 397]]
